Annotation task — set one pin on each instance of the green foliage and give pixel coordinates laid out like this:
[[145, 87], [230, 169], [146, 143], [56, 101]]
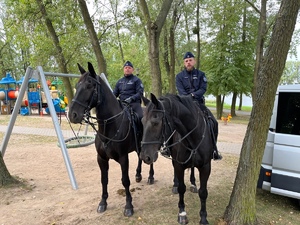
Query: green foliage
[[291, 73], [226, 58]]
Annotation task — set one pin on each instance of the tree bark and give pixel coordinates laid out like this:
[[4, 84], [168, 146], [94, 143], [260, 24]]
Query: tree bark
[[219, 106], [241, 208], [93, 37], [198, 35], [172, 55], [114, 6], [260, 43], [170, 68], [153, 31], [5, 177], [233, 104], [60, 56], [241, 101]]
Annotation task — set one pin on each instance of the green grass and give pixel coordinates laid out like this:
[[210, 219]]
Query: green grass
[[240, 118], [212, 104]]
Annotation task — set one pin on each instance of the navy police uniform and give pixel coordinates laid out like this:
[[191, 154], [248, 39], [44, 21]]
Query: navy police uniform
[[130, 89], [194, 83]]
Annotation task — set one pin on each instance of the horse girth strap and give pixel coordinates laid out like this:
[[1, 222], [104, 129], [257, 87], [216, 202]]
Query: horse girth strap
[[110, 139]]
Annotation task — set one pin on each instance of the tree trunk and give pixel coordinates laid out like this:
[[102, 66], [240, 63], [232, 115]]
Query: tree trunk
[[241, 208], [60, 56], [166, 56], [197, 32], [5, 177], [260, 43], [174, 23], [233, 103], [114, 6], [153, 32], [187, 25], [93, 37], [219, 105], [172, 60], [241, 101]]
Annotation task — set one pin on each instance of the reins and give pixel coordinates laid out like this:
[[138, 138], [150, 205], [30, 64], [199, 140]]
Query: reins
[[87, 116], [165, 142]]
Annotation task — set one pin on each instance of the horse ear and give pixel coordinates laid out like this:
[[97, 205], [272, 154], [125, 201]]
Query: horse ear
[[145, 100], [91, 69], [82, 71], [154, 100]]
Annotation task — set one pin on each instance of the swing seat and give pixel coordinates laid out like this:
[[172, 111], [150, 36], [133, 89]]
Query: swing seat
[[79, 141]]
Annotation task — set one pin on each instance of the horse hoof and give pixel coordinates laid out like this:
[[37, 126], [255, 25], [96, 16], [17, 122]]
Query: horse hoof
[[175, 190], [128, 212], [182, 218], [138, 178], [101, 208], [150, 181], [204, 222], [193, 189]]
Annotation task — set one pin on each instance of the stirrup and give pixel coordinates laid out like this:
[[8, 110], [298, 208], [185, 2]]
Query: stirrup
[[165, 152]]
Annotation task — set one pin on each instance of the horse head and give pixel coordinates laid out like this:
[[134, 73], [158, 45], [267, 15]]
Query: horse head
[[153, 122], [87, 94]]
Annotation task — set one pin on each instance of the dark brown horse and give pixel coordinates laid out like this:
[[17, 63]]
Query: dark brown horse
[[115, 137], [178, 124]]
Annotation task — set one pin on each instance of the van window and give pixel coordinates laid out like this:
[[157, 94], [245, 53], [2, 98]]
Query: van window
[[288, 113]]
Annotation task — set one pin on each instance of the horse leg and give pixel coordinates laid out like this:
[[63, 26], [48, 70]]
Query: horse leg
[[203, 176], [104, 166], [124, 162], [182, 216], [175, 183], [151, 175], [138, 175], [193, 187]]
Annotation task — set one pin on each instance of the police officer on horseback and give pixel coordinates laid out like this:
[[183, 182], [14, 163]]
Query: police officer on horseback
[[193, 82], [130, 88]]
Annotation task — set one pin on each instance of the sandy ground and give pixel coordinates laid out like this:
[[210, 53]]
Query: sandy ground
[[51, 198]]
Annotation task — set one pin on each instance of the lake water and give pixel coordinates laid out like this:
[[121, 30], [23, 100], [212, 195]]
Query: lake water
[[247, 101]]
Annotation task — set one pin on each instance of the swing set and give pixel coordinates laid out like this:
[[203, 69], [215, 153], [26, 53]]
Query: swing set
[[64, 144]]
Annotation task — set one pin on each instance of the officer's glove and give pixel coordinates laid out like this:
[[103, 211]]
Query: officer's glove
[[128, 100]]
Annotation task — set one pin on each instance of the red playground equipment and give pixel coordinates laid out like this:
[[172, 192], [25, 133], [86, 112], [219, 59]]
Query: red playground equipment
[[8, 94]]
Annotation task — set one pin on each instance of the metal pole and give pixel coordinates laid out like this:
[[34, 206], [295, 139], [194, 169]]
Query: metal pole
[[61, 74], [28, 74], [57, 128]]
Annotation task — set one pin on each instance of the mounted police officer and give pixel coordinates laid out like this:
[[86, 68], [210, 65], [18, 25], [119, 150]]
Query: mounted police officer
[[193, 82], [129, 89]]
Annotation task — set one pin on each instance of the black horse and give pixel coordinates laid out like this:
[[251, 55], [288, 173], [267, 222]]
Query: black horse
[[178, 124], [115, 137]]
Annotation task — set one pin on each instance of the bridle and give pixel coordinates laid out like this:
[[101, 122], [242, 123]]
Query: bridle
[[95, 95], [87, 118], [165, 140]]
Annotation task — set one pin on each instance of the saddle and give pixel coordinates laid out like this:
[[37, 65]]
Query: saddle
[[136, 123]]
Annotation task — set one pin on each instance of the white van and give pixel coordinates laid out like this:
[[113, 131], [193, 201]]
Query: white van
[[280, 168]]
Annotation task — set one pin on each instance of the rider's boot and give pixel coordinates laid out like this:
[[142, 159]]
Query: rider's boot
[[165, 152], [216, 154]]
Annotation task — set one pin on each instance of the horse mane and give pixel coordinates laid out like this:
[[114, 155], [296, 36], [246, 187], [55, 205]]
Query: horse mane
[[178, 105], [181, 111]]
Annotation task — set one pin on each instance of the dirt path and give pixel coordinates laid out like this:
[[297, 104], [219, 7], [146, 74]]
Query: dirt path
[[51, 199]]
